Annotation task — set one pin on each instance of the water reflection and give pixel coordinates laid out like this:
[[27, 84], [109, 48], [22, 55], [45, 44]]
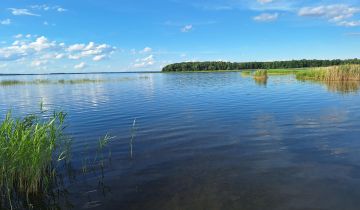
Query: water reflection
[[342, 87], [261, 81]]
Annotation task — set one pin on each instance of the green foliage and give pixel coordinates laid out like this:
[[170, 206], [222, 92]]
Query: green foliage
[[216, 66]]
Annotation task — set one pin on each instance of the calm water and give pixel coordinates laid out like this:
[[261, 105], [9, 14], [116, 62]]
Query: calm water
[[207, 140]]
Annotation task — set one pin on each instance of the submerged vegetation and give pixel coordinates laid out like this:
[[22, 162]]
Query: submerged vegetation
[[220, 65]]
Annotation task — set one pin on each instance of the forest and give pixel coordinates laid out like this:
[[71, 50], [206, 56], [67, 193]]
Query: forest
[[221, 65]]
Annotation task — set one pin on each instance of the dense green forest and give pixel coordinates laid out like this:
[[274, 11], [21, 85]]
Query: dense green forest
[[220, 65]]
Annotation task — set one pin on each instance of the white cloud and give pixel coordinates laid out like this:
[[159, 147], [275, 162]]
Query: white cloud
[[19, 12], [76, 47], [59, 56], [39, 51], [146, 50], [46, 7], [99, 57], [265, 1], [5, 22], [187, 28], [144, 62], [18, 36], [60, 9], [335, 12], [41, 43], [74, 57], [349, 23], [38, 63], [81, 65], [266, 17], [99, 52]]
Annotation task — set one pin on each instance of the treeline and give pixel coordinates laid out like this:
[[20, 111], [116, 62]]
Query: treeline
[[220, 65]]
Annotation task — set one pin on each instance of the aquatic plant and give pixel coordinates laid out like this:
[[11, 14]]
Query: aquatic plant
[[31, 149], [11, 82], [261, 74], [284, 71], [334, 73], [69, 82], [246, 73]]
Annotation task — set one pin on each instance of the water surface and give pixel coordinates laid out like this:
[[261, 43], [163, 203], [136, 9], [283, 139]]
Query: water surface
[[206, 140]]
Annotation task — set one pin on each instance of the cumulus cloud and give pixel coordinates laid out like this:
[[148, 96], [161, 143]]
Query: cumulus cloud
[[336, 13], [76, 47], [97, 51], [266, 17], [144, 62], [5, 22], [81, 65], [187, 28], [99, 57], [22, 12], [40, 51]]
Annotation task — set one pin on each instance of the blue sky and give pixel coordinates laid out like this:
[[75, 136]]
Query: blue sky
[[133, 35]]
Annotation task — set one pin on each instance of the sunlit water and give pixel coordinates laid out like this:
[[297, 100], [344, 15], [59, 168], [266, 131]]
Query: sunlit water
[[206, 140]]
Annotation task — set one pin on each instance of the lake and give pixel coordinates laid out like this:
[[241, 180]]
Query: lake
[[205, 140]]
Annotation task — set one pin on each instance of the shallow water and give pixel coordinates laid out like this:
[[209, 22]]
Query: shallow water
[[206, 140]]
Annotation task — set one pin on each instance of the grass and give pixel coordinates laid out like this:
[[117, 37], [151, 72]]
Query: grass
[[285, 71], [334, 73], [31, 149]]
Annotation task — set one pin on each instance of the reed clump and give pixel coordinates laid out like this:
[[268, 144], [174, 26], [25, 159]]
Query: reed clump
[[261, 74], [31, 149], [335, 73]]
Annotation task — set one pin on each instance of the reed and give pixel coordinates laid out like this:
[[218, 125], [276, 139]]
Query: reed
[[335, 73], [261, 74], [31, 149]]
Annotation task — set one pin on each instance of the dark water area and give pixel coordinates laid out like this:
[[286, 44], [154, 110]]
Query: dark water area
[[206, 140]]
